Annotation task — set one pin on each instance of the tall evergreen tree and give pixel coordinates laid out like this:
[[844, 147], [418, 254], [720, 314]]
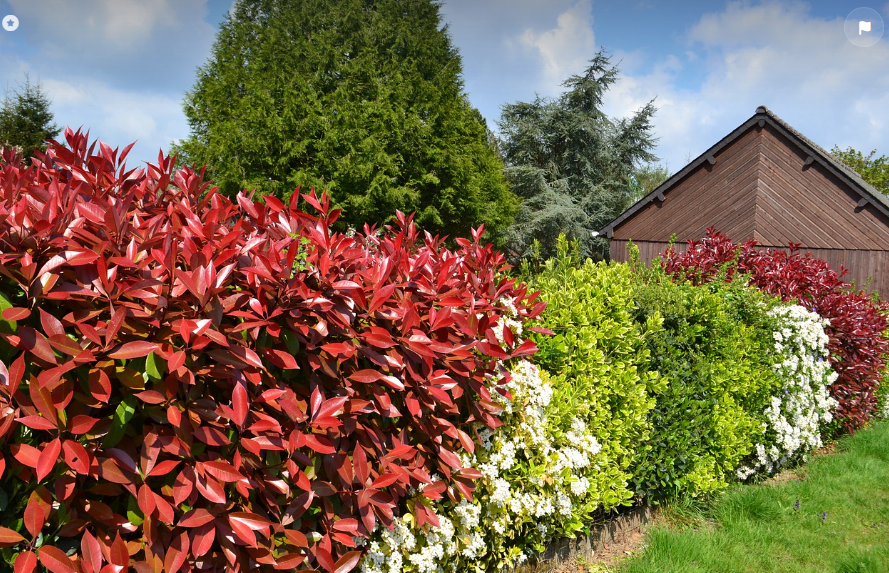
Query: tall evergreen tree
[[361, 97], [26, 121], [572, 166]]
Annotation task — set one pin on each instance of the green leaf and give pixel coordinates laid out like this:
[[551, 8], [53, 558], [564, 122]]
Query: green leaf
[[6, 326], [122, 416], [134, 514], [291, 341], [155, 366]]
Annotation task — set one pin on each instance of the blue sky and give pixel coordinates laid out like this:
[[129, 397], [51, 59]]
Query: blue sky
[[121, 67]]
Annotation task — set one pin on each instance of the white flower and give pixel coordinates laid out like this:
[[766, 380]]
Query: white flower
[[794, 416]]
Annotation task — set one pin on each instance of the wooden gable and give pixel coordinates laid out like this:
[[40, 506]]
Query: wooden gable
[[767, 182]]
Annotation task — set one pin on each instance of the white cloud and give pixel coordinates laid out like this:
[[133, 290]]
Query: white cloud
[[116, 67], [133, 42], [118, 116], [800, 66], [565, 49], [125, 25]]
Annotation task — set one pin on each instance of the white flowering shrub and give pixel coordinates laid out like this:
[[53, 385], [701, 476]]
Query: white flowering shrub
[[535, 484], [796, 416]]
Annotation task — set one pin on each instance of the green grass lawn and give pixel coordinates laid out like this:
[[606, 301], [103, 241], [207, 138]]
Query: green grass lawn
[[833, 517]]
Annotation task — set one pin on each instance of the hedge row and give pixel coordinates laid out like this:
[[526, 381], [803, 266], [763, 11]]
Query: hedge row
[[191, 383], [647, 387], [858, 346]]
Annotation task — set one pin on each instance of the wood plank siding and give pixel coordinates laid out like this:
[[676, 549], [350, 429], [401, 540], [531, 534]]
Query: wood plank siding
[[767, 182]]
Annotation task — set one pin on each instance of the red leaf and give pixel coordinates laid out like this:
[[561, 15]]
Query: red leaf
[[324, 559], [37, 423], [48, 459], [91, 552], [469, 473], [211, 436], [177, 553], [35, 343], [348, 525], [183, 485], [114, 324], [8, 537], [52, 326], [16, 371], [329, 407], [81, 424], [99, 385], [211, 489], [145, 500], [360, 465], [151, 397], [290, 562], [73, 258], [380, 297], [76, 456], [34, 516], [366, 376], [384, 480], [247, 355], [240, 404], [163, 468], [123, 459], [110, 471], [392, 382], [177, 359], [435, 489], [250, 520], [117, 553], [450, 458], [15, 313], [25, 562], [202, 538], [243, 533], [174, 416], [403, 451], [196, 518], [164, 509], [136, 349], [222, 471], [281, 359], [320, 444], [55, 560], [26, 455], [347, 562], [378, 337], [296, 538]]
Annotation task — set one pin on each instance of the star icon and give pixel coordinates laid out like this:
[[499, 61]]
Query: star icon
[[10, 23]]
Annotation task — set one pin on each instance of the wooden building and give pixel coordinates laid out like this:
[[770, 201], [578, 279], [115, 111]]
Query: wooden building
[[768, 182]]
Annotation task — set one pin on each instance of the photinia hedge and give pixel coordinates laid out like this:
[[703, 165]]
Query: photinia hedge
[[193, 384], [858, 323]]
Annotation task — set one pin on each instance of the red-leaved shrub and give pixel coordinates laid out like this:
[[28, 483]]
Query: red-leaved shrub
[[192, 384], [858, 323]]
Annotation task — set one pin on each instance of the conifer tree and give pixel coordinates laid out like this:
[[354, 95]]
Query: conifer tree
[[572, 166], [360, 97], [26, 121]]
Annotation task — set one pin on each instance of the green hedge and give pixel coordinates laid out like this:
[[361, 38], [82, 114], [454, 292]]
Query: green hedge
[[598, 361], [714, 354]]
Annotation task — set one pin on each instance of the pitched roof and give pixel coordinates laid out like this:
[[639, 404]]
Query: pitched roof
[[762, 116]]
